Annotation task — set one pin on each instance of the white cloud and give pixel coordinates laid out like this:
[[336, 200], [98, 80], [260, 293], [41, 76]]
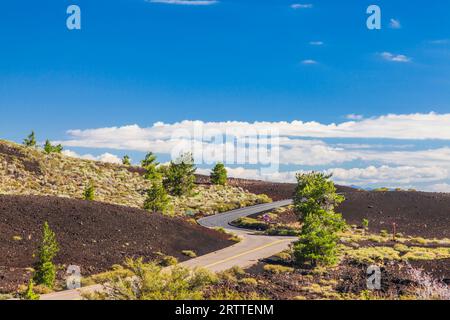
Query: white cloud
[[186, 2], [395, 24], [161, 136], [105, 157], [309, 62], [354, 116], [395, 57], [440, 187], [316, 43], [301, 6], [403, 175], [300, 144]]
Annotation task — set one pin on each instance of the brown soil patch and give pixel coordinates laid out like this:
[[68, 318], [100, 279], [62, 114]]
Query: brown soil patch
[[415, 213]]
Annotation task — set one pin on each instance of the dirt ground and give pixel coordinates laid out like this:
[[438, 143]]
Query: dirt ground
[[92, 235]]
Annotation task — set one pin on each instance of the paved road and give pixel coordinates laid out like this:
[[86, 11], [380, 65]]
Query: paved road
[[249, 251]]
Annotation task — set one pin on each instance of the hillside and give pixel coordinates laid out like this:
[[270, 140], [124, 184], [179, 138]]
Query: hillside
[[28, 171], [92, 235]]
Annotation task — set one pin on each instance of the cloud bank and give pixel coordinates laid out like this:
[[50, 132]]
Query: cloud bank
[[391, 152]]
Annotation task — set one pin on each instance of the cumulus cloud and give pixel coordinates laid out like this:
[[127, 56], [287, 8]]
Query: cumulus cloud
[[186, 2], [389, 175], [105, 157], [395, 24], [395, 57], [439, 187]]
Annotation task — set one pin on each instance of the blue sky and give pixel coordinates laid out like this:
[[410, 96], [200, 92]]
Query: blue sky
[[138, 62]]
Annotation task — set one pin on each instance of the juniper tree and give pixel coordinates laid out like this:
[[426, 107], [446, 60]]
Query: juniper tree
[[45, 269], [219, 174]]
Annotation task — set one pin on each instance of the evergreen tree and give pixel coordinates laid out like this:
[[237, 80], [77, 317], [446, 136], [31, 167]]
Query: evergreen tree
[[49, 148], [89, 192], [179, 176], [315, 191], [314, 202], [219, 175], [126, 161], [157, 199], [150, 165], [29, 293], [45, 269], [30, 141]]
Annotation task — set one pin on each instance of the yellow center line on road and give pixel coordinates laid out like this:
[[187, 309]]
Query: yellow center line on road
[[245, 253]]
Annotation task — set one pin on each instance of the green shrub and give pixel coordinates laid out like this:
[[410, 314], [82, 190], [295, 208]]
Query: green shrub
[[250, 223], [45, 269], [365, 224], [29, 293], [189, 253], [89, 192], [126, 161], [167, 261], [283, 231], [382, 189], [49, 148], [150, 282], [30, 141], [277, 269], [219, 174], [249, 281], [384, 233]]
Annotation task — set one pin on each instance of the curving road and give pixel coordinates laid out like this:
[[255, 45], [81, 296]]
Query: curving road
[[249, 251]]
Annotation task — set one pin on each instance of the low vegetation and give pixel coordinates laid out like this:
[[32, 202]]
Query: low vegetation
[[189, 253], [29, 171], [150, 281]]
